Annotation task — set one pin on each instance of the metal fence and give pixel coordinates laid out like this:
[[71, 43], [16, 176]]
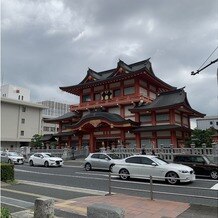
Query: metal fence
[[151, 186]]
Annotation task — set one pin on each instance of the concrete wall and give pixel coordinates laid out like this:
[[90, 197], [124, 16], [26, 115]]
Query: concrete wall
[[14, 120]]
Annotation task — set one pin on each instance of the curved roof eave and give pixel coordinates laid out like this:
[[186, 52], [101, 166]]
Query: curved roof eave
[[112, 118]]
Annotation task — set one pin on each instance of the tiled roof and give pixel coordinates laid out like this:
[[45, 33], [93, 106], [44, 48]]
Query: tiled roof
[[113, 118], [166, 100], [92, 77], [158, 128], [47, 137], [68, 115]]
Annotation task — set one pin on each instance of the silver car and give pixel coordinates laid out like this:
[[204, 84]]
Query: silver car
[[100, 161], [12, 158]]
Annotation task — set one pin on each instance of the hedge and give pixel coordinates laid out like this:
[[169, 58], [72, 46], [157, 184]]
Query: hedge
[[5, 213], [7, 172]]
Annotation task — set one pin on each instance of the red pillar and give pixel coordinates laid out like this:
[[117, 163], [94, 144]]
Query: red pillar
[[173, 138], [138, 140], [91, 142]]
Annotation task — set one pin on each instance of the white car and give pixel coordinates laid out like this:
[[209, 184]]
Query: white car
[[139, 166], [45, 159], [12, 157], [100, 161]]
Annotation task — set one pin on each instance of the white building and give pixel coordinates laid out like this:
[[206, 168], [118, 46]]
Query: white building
[[52, 109], [18, 125], [207, 122], [15, 92], [20, 120]]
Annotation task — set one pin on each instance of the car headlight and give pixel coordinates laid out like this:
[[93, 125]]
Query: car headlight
[[14, 158], [51, 160], [183, 171]]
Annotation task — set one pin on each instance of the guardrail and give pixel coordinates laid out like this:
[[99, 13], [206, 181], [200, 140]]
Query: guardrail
[[151, 185]]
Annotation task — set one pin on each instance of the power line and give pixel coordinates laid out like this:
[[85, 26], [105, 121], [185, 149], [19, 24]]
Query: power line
[[208, 58], [212, 62]]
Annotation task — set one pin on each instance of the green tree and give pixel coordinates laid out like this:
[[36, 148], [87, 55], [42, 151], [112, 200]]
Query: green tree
[[36, 141], [200, 136]]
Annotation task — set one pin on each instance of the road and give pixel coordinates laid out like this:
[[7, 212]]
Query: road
[[72, 181]]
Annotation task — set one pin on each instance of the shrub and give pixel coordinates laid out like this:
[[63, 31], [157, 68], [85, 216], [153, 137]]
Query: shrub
[[7, 172], [5, 213]]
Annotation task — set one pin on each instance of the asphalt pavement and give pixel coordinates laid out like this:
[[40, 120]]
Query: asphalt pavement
[[73, 201]]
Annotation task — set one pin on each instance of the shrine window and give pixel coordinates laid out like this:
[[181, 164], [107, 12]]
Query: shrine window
[[162, 117], [116, 92], [86, 98], [97, 96], [145, 118], [129, 90]]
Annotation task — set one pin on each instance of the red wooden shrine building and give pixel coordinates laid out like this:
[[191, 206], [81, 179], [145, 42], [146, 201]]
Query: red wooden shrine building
[[126, 105]]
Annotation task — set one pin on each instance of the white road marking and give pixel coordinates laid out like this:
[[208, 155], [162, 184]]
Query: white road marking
[[60, 175], [16, 202], [215, 187], [29, 194], [66, 188], [96, 174]]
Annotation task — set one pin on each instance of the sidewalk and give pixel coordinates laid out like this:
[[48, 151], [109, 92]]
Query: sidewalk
[[135, 207]]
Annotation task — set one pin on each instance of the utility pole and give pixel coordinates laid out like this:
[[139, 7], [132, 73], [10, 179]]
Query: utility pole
[[197, 72]]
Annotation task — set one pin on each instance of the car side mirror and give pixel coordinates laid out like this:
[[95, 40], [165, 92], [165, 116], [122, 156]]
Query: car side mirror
[[154, 164]]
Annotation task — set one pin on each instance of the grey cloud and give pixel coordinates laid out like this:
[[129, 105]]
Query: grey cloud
[[47, 44]]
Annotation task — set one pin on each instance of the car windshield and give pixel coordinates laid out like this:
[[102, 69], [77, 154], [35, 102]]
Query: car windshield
[[48, 155], [159, 161], [13, 154], [208, 161], [114, 156]]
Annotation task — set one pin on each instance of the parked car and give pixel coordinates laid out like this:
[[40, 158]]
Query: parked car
[[12, 157], [200, 163], [45, 159], [139, 166], [100, 161]]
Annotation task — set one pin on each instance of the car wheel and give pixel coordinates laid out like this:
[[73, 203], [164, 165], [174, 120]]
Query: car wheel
[[88, 167], [124, 174], [46, 164], [214, 174], [173, 178], [110, 167], [9, 161], [31, 163]]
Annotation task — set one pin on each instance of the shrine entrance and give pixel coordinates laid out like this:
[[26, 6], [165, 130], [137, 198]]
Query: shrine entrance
[[111, 142]]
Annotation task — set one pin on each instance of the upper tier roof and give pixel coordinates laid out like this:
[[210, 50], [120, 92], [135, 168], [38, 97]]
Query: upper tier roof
[[174, 98], [121, 72]]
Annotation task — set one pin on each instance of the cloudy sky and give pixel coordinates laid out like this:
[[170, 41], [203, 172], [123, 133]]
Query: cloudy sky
[[46, 44]]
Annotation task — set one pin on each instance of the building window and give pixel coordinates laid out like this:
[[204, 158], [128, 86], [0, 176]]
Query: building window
[[116, 92], [52, 129], [46, 128], [86, 98], [217, 123], [23, 109], [22, 133], [211, 122], [22, 97], [18, 97], [129, 90], [22, 120]]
